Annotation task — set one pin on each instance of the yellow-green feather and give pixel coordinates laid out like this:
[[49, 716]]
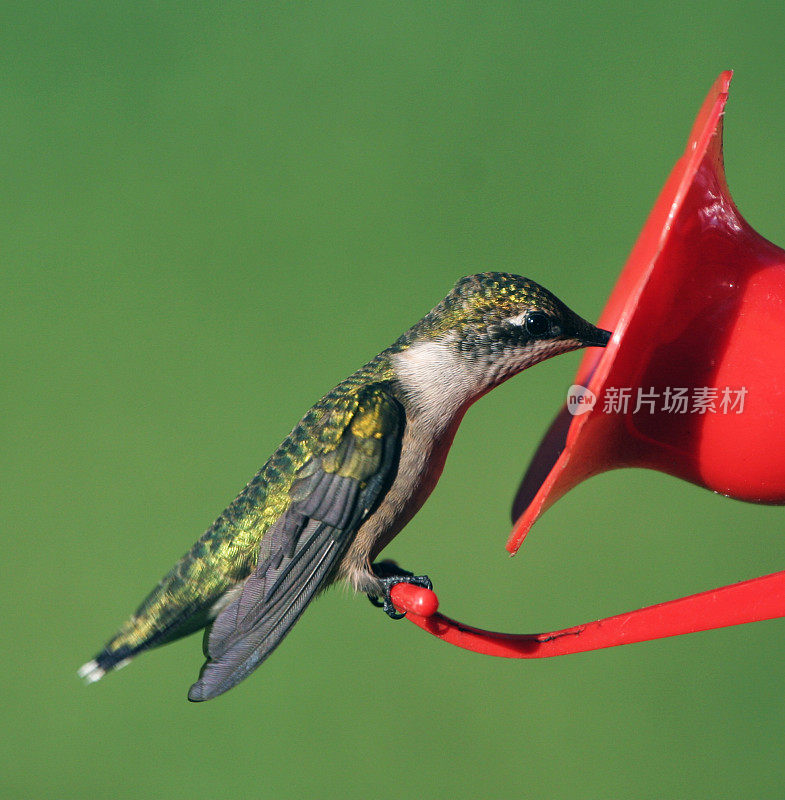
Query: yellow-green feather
[[228, 551]]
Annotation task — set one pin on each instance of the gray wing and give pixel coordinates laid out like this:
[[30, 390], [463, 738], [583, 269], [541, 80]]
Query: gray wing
[[332, 495]]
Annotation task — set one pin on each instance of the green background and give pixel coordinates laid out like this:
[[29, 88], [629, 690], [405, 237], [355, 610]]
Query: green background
[[211, 213]]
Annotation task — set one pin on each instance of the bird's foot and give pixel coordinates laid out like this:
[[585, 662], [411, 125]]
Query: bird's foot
[[388, 574]]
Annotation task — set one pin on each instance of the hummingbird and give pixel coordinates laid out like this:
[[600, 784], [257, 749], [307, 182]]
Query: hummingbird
[[351, 474]]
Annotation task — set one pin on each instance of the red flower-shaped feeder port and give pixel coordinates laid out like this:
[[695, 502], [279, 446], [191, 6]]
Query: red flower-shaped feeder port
[[689, 384]]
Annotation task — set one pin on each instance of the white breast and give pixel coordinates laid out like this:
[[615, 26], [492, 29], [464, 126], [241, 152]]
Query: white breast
[[437, 382]]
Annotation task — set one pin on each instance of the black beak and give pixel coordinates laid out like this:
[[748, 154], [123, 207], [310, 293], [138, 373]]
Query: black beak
[[595, 337]]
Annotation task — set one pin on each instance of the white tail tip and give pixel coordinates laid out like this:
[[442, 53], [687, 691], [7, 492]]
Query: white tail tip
[[91, 672]]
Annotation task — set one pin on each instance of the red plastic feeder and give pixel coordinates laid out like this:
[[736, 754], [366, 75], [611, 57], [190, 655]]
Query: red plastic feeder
[[686, 386]]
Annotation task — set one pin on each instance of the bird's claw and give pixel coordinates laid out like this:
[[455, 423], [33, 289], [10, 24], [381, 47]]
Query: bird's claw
[[388, 574]]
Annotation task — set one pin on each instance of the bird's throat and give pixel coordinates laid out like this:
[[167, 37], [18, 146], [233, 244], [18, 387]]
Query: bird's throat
[[437, 383]]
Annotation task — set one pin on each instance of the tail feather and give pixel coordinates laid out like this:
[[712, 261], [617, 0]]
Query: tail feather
[[91, 672], [129, 642], [178, 606], [104, 662]]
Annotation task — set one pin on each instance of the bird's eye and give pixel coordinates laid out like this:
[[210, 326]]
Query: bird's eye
[[538, 324]]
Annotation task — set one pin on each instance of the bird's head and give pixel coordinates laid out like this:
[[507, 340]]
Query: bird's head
[[488, 328]]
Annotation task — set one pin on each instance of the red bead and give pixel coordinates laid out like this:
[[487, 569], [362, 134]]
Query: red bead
[[413, 599]]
